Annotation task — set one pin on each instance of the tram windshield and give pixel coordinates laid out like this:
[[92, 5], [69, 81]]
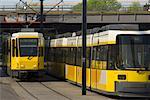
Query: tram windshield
[[134, 52], [28, 47]]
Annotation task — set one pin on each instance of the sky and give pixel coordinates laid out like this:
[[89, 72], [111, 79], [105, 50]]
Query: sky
[[13, 2]]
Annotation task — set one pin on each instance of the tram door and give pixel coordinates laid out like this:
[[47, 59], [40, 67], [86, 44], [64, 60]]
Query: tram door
[[40, 54], [13, 54]]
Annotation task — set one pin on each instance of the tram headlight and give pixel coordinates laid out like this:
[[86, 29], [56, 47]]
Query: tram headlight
[[34, 66], [22, 66], [121, 77]]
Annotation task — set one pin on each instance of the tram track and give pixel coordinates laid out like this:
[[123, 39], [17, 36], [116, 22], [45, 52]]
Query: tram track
[[55, 91], [44, 85], [36, 98]]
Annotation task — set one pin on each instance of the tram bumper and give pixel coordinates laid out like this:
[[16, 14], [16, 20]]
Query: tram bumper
[[133, 89]]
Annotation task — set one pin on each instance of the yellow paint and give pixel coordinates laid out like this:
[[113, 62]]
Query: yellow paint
[[112, 76], [74, 73], [93, 78], [101, 64], [93, 64], [23, 63], [79, 75], [88, 77], [104, 43], [71, 72], [89, 45], [104, 79], [27, 37]]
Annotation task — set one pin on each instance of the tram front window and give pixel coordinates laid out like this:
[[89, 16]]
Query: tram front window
[[28, 47], [134, 52]]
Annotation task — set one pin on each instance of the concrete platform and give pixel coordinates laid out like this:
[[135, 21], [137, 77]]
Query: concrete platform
[[52, 89], [6, 91], [45, 88]]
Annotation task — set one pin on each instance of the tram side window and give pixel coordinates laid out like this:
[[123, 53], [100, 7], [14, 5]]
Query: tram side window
[[48, 55], [78, 57], [13, 47], [64, 55], [60, 55], [7, 50], [93, 62], [112, 55], [16, 48], [88, 57], [57, 55], [101, 57], [67, 55], [71, 56], [41, 51], [52, 54]]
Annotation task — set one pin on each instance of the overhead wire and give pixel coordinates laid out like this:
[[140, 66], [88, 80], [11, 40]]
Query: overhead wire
[[38, 12], [29, 6], [54, 6], [47, 11]]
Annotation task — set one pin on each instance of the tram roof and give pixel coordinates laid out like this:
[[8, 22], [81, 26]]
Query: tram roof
[[27, 34], [100, 38]]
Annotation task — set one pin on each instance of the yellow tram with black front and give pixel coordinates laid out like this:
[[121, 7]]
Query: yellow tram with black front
[[25, 54], [118, 62]]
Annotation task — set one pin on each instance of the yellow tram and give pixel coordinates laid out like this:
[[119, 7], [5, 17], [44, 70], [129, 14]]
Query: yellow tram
[[118, 62], [25, 53]]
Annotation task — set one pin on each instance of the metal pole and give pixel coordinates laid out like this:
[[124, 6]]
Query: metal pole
[[41, 16], [84, 28]]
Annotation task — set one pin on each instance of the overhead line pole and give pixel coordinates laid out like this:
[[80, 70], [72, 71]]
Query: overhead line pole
[[84, 29], [41, 16]]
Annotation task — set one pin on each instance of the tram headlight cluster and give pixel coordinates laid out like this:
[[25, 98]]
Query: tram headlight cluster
[[35, 66], [22, 66]]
